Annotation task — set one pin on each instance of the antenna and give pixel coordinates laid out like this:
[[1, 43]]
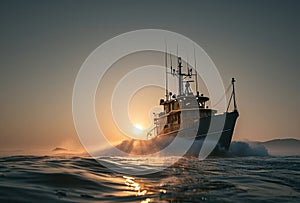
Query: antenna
[[196, 73], [187, 64], [177, 52], [180, 76], [166, 64], [171, 63]]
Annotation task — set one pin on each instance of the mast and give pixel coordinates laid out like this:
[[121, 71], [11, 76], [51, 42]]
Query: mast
[[166, 65], [180, 78], [233, 93], [187, 63], [196, 74], [232, 96], [171, 64]]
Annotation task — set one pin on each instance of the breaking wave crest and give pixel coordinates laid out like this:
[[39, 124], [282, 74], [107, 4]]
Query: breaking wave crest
[[247, 149]]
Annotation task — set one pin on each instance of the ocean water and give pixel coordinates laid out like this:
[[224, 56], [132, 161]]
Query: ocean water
[[82, 179]]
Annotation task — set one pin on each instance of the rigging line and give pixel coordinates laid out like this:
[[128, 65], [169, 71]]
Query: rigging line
[[227, 90], [229, 102]]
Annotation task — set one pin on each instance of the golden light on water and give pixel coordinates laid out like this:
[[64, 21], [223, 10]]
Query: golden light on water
[[135, 186], [146, 200]]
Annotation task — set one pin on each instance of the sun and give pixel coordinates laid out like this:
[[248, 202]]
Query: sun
[[138, 126], [138, 129]]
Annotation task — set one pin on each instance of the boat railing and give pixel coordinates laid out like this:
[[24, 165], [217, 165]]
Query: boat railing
[[152, 133]]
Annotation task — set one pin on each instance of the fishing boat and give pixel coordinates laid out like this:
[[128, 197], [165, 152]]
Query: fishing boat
[[188, 115]]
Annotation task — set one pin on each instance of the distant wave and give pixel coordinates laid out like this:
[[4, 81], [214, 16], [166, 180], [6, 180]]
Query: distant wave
[[246, 149], [237, 148]]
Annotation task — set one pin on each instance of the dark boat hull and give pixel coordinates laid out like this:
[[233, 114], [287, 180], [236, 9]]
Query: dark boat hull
[[221, 143]]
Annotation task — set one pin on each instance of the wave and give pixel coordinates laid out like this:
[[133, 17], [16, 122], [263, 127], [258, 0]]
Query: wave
[[238, 148], [81, 179]]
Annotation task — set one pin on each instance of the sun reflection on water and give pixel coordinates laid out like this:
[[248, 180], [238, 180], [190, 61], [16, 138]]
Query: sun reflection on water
[[135, 186], [146, 200]]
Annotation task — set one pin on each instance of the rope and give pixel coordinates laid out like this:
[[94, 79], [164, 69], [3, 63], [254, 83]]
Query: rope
[[224, 95], [229, 102]]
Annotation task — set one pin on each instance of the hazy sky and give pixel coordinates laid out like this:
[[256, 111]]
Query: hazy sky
[[44, 43]]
